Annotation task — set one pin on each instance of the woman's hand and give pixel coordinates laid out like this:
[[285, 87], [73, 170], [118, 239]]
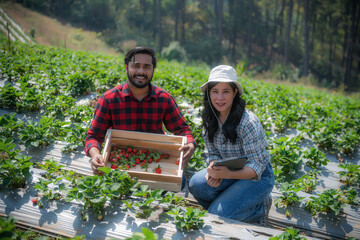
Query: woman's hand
[[212, 181], [218, 172]]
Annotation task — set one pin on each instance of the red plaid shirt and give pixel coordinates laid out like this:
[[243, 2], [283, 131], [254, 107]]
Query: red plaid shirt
[[119, 109]]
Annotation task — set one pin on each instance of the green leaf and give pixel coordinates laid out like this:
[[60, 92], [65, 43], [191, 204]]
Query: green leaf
[[106, 170]]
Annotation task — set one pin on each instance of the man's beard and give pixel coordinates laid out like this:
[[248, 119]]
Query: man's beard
[[139, 85]]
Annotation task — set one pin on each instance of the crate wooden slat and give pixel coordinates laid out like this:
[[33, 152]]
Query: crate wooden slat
[[171, 175]]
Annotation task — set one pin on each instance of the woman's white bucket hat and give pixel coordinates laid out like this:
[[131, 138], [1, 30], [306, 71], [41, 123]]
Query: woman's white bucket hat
[[223, 73]]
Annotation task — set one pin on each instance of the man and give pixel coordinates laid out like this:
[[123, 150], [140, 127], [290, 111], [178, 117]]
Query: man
[[136, 106]]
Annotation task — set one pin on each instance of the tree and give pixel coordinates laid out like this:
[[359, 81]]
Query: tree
[[306, 39], [160, 37], [352, 39], [286, 51], [219, 15], [249, 31]]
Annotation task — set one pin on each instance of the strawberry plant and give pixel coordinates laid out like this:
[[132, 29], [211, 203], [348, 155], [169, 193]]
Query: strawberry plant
[[350, 195], [14, 167], [146, 234], [351, 173], [315, 158], [289, 195], [49, 189], [95, 191], [287, 154], [329, 201], [79, 83], [52, 168], [189, 219], [307, 182], [9, 125], [289, 234], [79, 113], [57, 106], [34, 134], [8, 96], [29, 99], [75, 136]]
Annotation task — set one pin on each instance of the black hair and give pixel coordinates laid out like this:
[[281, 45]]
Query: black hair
[[210, 122], [137, 50]]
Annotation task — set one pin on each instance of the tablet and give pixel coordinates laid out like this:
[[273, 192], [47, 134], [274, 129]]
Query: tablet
[[233, 163]]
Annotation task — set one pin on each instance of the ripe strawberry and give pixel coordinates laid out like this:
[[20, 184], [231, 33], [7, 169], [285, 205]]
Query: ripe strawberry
[[166, 156], [127, 167], [150, 160], [87, 92], [134, 150], [129, 150], [113, 166], [177, 161], [137, 161], [114, 160], [34, 200], [157, 160], [158, 169], [134, 165]]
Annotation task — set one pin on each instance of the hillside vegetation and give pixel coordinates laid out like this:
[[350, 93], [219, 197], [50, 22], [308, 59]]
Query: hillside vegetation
[[51, 32]]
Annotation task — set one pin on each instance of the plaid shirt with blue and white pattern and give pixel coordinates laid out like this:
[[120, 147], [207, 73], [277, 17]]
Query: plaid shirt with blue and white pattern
[[251, 142]]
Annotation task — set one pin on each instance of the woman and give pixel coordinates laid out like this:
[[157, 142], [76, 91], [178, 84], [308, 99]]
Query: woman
[[230, 130]]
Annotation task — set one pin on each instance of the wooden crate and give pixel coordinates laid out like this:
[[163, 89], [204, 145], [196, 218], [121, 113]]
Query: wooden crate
[[171, 176]]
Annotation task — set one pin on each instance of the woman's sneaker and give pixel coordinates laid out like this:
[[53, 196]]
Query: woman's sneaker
[[267, 204]]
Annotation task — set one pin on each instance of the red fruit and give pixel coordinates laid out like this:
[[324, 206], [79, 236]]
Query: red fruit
[[177, 161], [150, 160], [34, 200], [127, 155], [113, 166], [137, 161], [141, 164], [134, 150], [129, 150], [157, 160], [134, 165], [87, 92], [127, 166], [166, 156], [158, 170], [114, 160]]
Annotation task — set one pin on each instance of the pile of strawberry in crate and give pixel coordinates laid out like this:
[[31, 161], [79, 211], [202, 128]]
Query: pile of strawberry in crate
[[128, 157]]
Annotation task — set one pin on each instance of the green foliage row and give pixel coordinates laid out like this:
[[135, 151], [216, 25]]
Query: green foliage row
[[57, 77]]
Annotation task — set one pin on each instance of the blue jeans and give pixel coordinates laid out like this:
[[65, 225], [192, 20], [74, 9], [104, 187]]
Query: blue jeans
[[241, 200]]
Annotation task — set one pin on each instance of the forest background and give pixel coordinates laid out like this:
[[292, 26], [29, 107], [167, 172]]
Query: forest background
[[309, 41]]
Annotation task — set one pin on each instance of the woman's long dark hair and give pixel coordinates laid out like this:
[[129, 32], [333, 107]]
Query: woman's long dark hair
[[210, 122]]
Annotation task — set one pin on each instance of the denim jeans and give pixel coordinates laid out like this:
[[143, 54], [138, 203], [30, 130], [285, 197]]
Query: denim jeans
[[241, 200]]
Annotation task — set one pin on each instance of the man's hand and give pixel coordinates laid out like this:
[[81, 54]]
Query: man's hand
[[96, 161], [188, 149]]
